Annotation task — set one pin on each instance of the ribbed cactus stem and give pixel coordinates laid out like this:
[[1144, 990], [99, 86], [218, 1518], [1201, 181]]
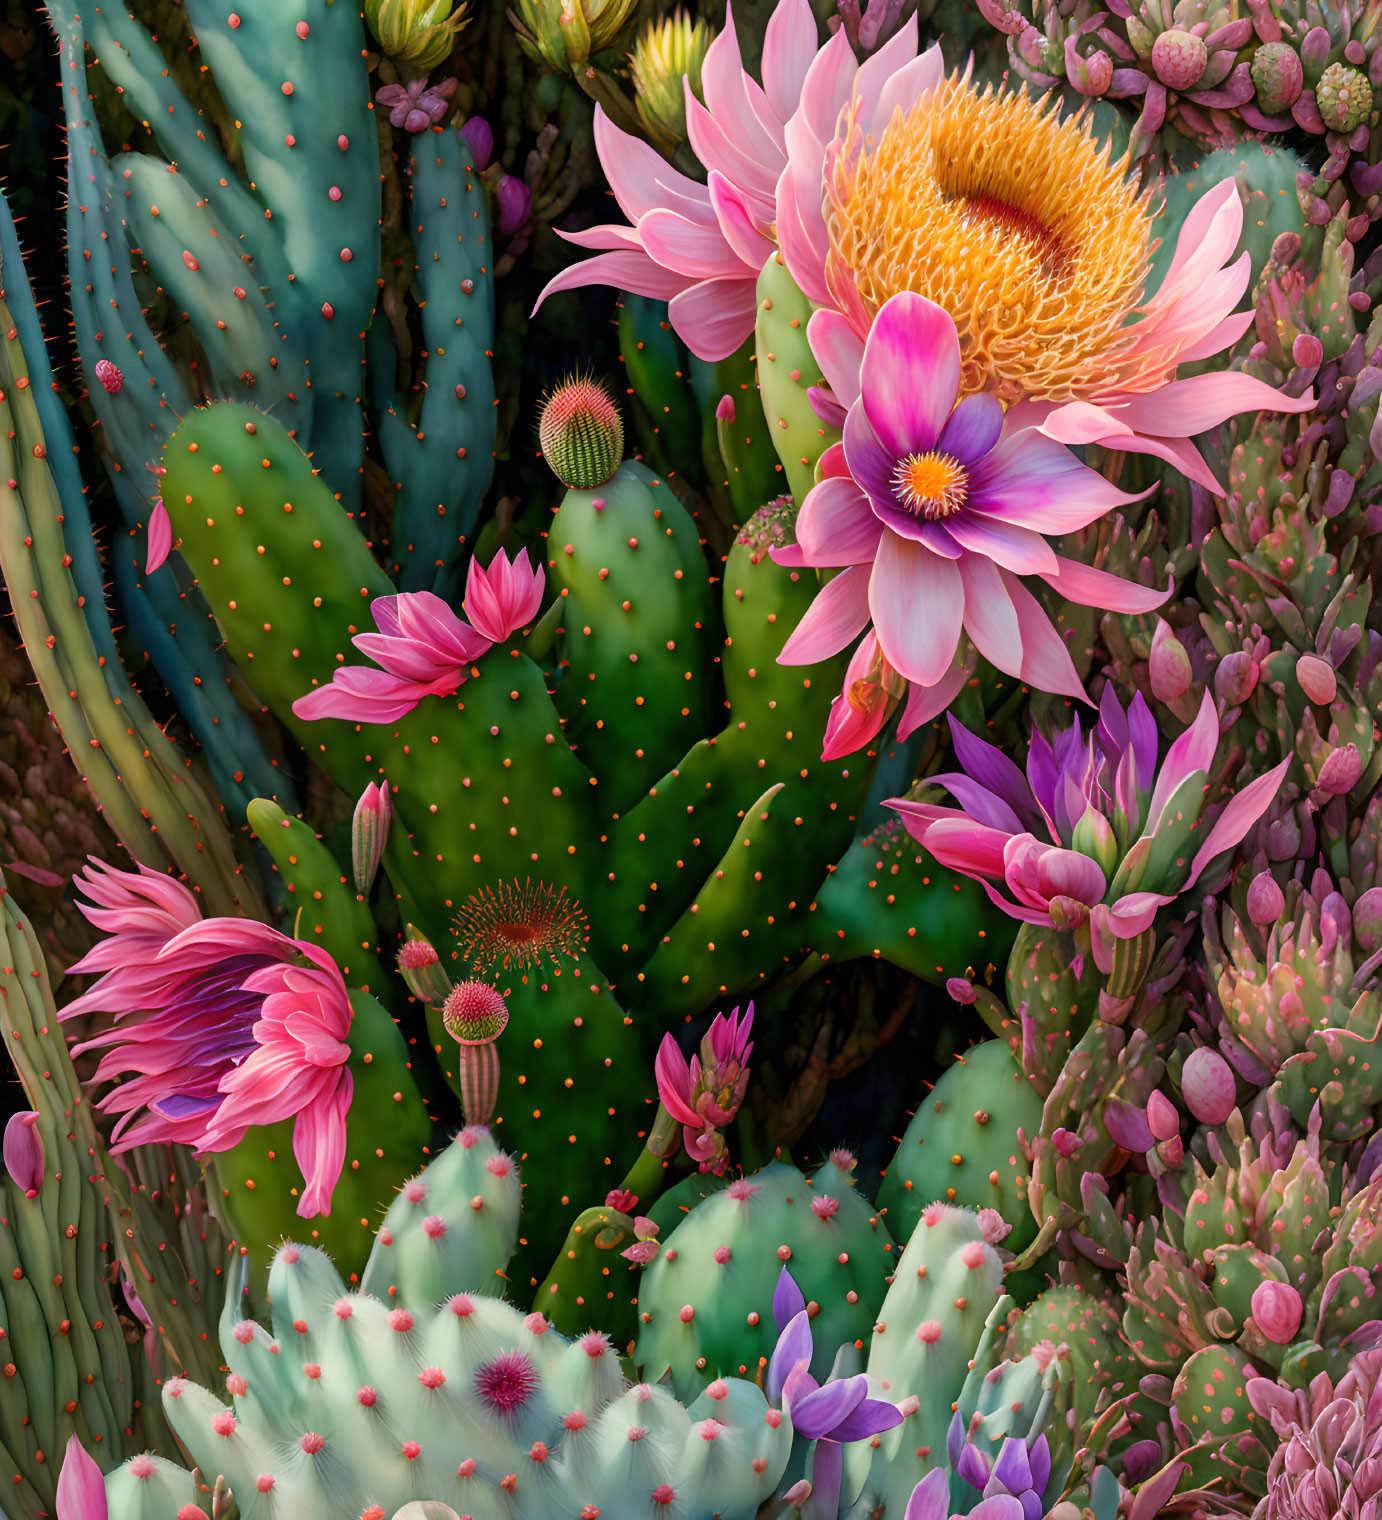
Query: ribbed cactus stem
[[475, 1016]]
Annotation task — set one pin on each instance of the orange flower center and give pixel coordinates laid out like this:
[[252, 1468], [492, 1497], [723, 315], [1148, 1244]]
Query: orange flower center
[[1017, 223], [931, 485]]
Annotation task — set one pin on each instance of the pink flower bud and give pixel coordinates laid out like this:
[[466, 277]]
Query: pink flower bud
[[1317, 679], [515, 202], [1067, 1143], [992, 1226], [1179, 58], [1340, 772], [1266, 900], [422, 970], [621, 1201], [1235, 678], [1206, 1084], [23, 1149], [645, 1229], [1168, 665], [109, 375], [961, 989], [1276, 1311], [724, 410], [478, 136], [369, 829], [1162, 1118]]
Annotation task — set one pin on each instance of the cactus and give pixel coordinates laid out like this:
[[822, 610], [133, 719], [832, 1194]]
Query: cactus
[[705, 1301]]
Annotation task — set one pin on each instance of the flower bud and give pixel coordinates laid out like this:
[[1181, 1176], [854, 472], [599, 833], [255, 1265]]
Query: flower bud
[[581, 434], [1162, 1118], [961, 989], [1235, 677], [1179, 59], [515, 204], [1206, 1084], [1277, 1311], [1343, 97], [23, 1151], [416, 32], [1277, 76], [422, 970], [1367, 921], [1168, 665], [1317, 679], [1340, 772], [109, 375], [475, 1015], [669, 53], [621, 1200], [1266, 900], [368, 832], [1093, 836], [478, 136]]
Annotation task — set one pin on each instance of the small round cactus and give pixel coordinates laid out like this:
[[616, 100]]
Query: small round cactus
[[1278, 76], [1344, 97], [581, 433], [1179, 59], [474, 1013]]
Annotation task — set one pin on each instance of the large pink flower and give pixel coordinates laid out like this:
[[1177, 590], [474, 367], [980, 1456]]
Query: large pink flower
[[936, 509], [701, 247], [218, 1027], [424, 648]]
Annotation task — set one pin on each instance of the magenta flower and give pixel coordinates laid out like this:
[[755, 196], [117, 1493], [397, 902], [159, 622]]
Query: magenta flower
[[931, 1501], [424, 648], [701, 247], [23, 1152], [217, 1027], [81, 1488], [415, 106], [936, 510], [1086, 836], [705, 1095]]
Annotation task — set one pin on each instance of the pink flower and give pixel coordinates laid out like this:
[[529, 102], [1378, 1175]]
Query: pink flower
[[936, 510], [424, 648], [701, 247], [23, 1151], [705, 1095], [81, 1488], [217, 1027]]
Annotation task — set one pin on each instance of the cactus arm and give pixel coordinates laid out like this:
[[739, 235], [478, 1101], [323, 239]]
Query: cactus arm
[[127, 756], [444, 465], [787, 370]]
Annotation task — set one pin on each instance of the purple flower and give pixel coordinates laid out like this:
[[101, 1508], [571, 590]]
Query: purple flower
[[831, 1413], [478, 136], [414, 106], [1094, 832], [931, 1501]]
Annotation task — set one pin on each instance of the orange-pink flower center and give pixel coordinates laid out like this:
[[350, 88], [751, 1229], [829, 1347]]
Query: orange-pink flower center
[[931, 485]]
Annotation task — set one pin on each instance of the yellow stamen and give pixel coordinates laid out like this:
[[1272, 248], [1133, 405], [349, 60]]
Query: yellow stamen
[[1017, 223], [931, 485]]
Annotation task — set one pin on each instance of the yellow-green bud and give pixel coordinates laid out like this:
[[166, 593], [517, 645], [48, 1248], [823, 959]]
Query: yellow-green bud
[[564, 33], [666, 53], [420, 33]]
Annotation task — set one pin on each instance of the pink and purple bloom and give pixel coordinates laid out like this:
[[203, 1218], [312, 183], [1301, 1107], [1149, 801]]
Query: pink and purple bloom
[[931, 1501], [704, 1095], [218, 1026], [1094, 833], [934, 508], [423, 648], [832, 1413]]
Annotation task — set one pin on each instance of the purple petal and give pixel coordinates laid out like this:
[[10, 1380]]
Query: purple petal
[[910, 373], [973, 1467], [868, 460], [972, 430], [917, 602], [23, 1151], [1012, 1469], [817, 1413], [1001, 1507], [788, 1301], [955, 1432], [930, 1498], [1007, 544], [991, 768], [827, 1467], [871, 1418], [1127, 1126], [793, 1350], [1039, 1459]]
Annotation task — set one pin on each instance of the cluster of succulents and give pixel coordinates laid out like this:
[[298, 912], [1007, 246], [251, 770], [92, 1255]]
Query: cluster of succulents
[[692, 815]]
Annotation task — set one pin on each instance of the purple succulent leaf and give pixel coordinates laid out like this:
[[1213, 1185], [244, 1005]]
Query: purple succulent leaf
[[930, 1498], [817, 1412]]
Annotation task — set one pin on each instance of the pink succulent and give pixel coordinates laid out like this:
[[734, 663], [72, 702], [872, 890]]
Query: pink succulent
[[701, 247], [217, 1026], [424, 648], [705, 1094], [936, 508]]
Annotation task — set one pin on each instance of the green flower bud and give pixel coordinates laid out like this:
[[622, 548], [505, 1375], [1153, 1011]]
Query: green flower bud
[[666, 53], [420, 33], [1344, 97]]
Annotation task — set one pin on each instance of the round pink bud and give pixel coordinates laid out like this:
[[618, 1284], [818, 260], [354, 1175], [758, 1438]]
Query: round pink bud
[[1340, 772], [1179, 59], [1317, 679], [1266, 900], [415, 954], [264, 1482], [1162, 1118], [1168, 665], [1235, 678], [961, 989], [109, 375], [1206, 1084], [312, 1443], [1276, 1311]]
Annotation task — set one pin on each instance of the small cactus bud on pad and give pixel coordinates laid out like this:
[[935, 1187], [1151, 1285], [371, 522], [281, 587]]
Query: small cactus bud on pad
[[581, 433]]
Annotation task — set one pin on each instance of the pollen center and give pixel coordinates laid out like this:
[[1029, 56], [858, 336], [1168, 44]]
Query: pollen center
[[931, 485], [1018, 223]]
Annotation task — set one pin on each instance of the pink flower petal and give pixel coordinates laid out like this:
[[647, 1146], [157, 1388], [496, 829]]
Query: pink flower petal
[[1046, 662], [789, 50], [698, 251], [839, 351], [674, 1082], [1239, 815], [81, 1491], [642, 179], [833, 620], [715, 316], [1014, 548], [910, 373], [625, 269], [319, 1143], [160, 544], [990, 618], [927, 702], [1185, 408], [23, 1152], [917, 602], [837, 526], [739, 227], [1097, 588]]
